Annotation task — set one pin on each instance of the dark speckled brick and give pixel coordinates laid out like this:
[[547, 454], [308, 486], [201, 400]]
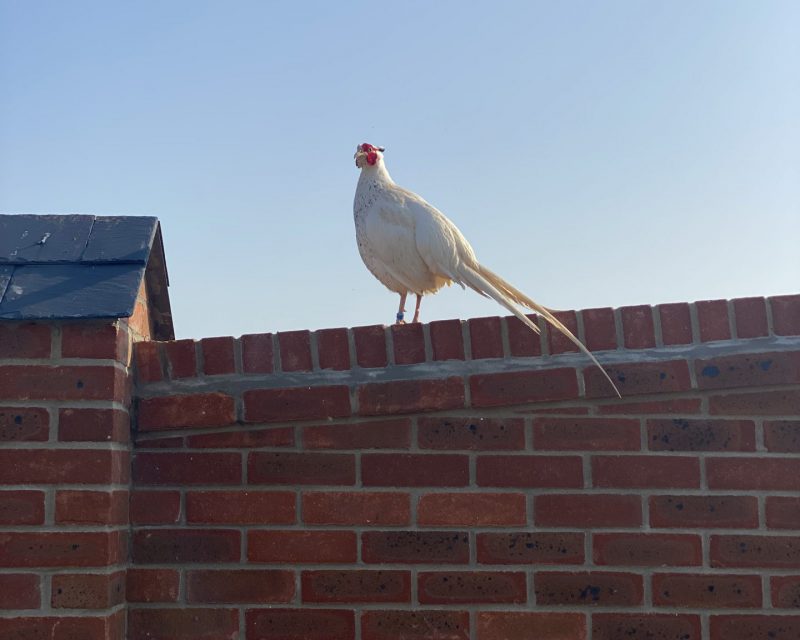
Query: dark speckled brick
[[452, 587], [443, 547], [530, 548], [415, 625], [682, 434]]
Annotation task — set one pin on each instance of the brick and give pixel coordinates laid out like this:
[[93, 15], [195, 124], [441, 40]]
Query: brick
[[238, 439], [162, 546], [376, 434], [676, 323], [301, 468], [361, 508], [61, 549], [472, 509], [147, 361], [556, 411], [468, 587], [408, 343], [782, 436], [748, 370], [351, 586], [447, 340], [557, 342], [257, 353], [23, 424], [91, 507], [139, 323], [370, 345], [522, 340], [646, 472], [638, 331], [712, 320], [526, 625], [61, 466], [155, 507], [218, 356], [296, 403], [588, 589], [301, 546], [410, 396], [144, 443], [240, 507], [755, 627], [704, 512], [785, 592], [198, 410], [21, 507], [187, 468], [414, 470], [520, 387], [682, 434], [24, 382], [59, 628], [300, 624], [760, 403], [333, 348], [88, 591], [783, 512], [472, 433], [751, 317], [24, 340], [183, 624], [775, 552], [181, 357], [485, 338], [536, 471], [152, 585], [614, 626], [586, 434], [639, 378], [237, 586], [415, 547], [599, 329], [295, 350], [681, 590], [94, 340], [526, 547], [415, 625], [779, 474], [683, 406], [785, 315], [587, 510], [647, 549], [19, 591], [93, 425]]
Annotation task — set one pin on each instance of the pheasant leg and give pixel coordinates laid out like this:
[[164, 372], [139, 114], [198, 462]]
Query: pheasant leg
[[416, 309], [402, 309]]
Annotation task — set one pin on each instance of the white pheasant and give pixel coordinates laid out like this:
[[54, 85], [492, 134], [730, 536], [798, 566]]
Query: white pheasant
[[411, 247]]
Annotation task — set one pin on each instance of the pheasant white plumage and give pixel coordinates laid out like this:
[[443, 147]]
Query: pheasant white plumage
[[412, 247]]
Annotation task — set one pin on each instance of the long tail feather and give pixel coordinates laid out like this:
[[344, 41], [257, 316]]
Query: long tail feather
[[507, 295]]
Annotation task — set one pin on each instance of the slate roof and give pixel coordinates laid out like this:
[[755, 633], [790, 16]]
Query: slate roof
[[80, 266]]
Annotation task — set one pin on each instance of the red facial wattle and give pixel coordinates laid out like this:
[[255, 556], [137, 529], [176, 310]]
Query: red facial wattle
[[372, 157]]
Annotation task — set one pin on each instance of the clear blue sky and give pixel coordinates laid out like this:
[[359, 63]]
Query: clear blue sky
[[594, 153]]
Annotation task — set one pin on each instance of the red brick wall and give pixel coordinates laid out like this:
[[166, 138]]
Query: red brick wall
[[433, 481], [64, 479], [450, 480]]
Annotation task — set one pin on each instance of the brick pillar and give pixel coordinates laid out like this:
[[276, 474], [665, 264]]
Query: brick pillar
[[64, 479]]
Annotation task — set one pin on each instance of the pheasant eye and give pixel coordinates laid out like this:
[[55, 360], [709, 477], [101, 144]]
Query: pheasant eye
[[366, 147]]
